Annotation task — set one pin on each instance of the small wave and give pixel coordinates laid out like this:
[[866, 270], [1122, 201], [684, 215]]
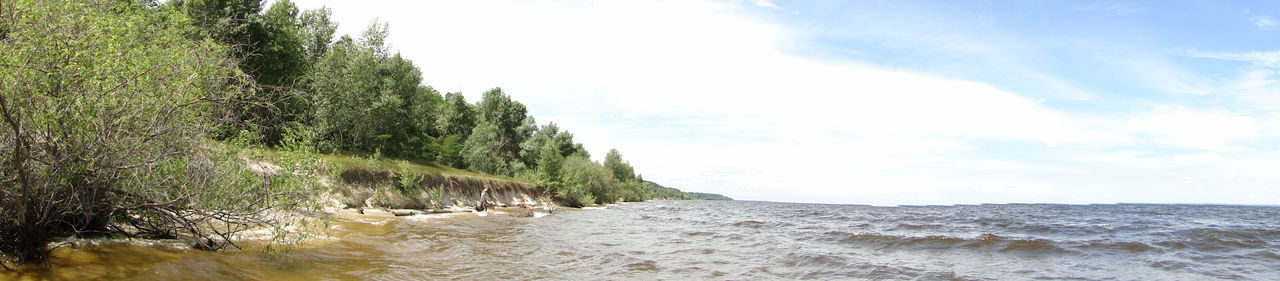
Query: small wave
[[996, 242], [1123, 246], [1031, 246], [750, 224], [814, 260], [647, 265], [698, 233]]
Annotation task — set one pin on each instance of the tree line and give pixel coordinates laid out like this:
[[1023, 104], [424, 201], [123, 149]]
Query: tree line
[[128, 117], [360, 96]]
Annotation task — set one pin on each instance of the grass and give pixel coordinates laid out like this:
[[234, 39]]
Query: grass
[[412, 192], [344, 161]]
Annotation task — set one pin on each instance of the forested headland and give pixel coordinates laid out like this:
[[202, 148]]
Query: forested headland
[[204, 118]]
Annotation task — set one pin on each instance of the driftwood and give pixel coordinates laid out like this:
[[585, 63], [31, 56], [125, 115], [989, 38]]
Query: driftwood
[[441, 211], [480, 207]]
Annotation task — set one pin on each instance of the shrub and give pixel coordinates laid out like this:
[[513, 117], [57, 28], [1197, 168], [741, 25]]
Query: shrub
[[105, 109]]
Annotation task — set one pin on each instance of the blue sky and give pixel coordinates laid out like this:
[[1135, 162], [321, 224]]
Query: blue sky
[[883, 102]]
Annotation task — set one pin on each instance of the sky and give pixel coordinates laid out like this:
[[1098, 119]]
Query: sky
[[881, 102]]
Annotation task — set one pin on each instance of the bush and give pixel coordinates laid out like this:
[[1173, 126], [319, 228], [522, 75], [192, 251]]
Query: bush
[[576, 198], [106, 106]]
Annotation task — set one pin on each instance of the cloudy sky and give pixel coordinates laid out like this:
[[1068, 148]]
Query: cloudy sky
[[882, 102]]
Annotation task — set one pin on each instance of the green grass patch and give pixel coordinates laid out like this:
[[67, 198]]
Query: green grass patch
[[345, 161]]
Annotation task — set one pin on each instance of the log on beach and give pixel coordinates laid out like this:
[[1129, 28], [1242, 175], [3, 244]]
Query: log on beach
[[480, 207], [401, 213]]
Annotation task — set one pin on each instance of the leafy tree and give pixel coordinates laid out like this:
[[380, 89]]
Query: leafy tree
[[318, 30], [277, 56], [366, 100], [410, 125], [509, 117], [580, 151], [622, 170], [583, 175], [563, 141], [230, 22], [342, 82], [550, 164], [449, 151], [482, 151], [505, 126], [272, 48], [457, 117], [105, 107]]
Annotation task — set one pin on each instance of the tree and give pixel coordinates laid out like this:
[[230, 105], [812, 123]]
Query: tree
[[580, 151], [272, 47], [105, 107], [410, 126], [622, 170], [278, 53], [457, 117], [367, 100], [582, 176], [449, 151], [343, 84], [564, 143], [504, 123], [318, 30], [550, 164], [482, 151], [230, 22], [509, 117]]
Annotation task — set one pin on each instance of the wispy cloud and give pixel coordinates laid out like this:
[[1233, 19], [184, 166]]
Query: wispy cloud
[[766, 4], [1111, 7], [1269, 59], [1255, 86], [1263, 21], [710, 98]]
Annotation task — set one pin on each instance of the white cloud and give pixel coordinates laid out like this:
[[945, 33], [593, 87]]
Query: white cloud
[[1262, 21], [766, 4], [1118, 8], [1265, 59], [1183, 127], [701, 95]]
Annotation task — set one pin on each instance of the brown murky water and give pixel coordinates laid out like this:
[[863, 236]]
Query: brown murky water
[[740, 240]]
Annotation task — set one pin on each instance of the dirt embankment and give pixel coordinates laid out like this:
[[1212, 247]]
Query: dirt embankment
[[360, 188]]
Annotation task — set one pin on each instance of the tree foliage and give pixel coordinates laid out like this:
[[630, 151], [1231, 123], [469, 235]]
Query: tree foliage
[[457, 117], [366, 100], [106, 105], [483, 150], [144, 119], [622, 170]]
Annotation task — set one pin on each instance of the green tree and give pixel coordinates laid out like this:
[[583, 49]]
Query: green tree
[[582, 174], [271, 45], [505, 123], [105, 107], [449, 151], [366, 100], [277, 56], [456, 116], [550, 164], [498, 108], [318, 30], [343, 84], [483, 150], [622, 170], [580, 151]]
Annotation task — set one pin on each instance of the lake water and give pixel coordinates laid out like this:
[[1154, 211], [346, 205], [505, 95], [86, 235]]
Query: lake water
[[725, 240]]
